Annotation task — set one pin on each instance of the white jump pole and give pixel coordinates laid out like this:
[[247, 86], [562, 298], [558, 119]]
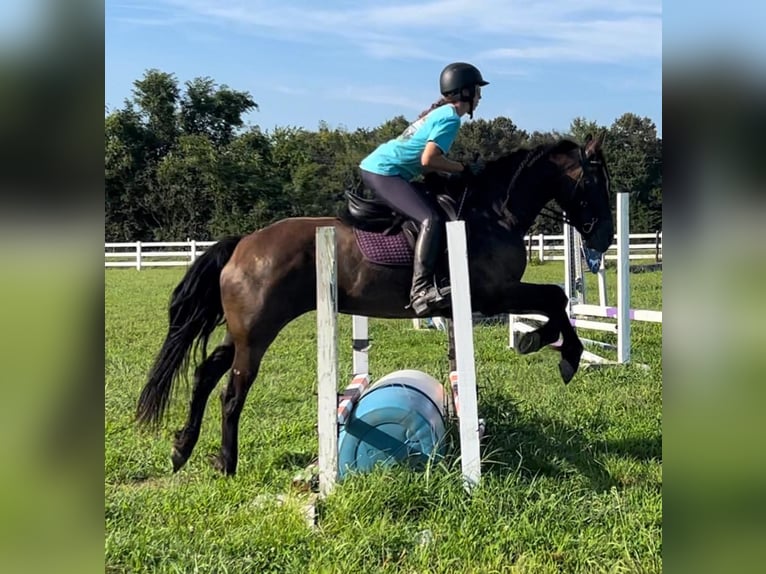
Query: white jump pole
[[327, 358], [462, 317], [623, 278]]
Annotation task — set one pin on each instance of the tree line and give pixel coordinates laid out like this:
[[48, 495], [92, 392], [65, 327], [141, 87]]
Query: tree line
[[180, 162]]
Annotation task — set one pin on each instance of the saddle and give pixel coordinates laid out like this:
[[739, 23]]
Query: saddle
[[367, 213]]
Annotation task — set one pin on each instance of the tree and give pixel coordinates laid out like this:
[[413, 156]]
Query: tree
[[125, 161], [212, 111], [156, 96], [487, 139], [635, 160], [186, 183], [580, 129], [168, 159]]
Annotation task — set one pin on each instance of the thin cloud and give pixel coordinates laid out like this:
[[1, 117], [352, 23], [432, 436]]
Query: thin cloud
[[139, 13], [595, 41], [586, 30], [150, 22], [290, 91], [378, 95], [394, 48], [137, 6], [513, 73]]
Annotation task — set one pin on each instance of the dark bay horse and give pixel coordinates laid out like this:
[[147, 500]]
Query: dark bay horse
[[257, 284]]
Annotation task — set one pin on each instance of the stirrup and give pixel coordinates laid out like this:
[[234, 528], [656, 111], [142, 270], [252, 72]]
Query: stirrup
[[430, 300]]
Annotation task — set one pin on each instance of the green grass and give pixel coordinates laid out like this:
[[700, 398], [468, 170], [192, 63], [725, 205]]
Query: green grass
[[572, 474]]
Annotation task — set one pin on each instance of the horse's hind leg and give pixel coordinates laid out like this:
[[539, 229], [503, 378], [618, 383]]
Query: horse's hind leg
[[206, 376], [247, 361]]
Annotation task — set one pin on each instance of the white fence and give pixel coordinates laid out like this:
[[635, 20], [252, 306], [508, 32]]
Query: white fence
[[551, 247], [140, 254]]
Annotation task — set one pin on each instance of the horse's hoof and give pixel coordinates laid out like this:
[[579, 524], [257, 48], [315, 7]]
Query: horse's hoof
[[567, 370], [529, 343], [216, 462], [179, 460]]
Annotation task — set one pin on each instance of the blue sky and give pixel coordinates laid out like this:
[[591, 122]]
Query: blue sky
[[359, 63]]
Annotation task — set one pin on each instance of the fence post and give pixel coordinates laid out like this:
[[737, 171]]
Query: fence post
[[540, 246], [138, 255], [657, 246], [193, 250]]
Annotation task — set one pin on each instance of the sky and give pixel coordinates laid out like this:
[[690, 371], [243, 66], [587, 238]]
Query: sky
[[359, 63]]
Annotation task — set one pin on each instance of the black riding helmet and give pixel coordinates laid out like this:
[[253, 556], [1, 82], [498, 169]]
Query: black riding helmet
[[459, 76]]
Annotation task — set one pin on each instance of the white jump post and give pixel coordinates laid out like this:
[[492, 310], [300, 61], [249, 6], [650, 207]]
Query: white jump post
[[576, 292], [466, 404], [327, 358], [623, 278]]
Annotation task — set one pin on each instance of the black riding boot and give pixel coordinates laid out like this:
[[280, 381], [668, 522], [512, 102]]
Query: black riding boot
[[425, 298]]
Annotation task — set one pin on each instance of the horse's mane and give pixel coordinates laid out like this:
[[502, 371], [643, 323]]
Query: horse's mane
[[509, 164], [519, 153]]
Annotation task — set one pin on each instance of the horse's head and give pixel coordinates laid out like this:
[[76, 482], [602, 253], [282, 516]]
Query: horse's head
[[584, 194]]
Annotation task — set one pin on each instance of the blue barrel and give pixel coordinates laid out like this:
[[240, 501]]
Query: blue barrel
[[398, 420]]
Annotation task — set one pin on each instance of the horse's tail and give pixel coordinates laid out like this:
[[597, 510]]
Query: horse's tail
[[195, 311]]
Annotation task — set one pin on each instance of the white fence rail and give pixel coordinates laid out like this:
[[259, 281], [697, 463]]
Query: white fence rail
[[551, 247], [140, 254]]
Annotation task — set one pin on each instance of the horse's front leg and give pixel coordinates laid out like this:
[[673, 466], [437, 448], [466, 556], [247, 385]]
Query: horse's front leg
[[550, 301], [571, 350]]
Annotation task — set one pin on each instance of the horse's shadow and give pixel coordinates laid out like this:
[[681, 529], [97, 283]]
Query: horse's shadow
[[534, 445]]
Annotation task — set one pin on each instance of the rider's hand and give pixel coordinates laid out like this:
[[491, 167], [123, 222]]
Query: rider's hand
[[471, 171]]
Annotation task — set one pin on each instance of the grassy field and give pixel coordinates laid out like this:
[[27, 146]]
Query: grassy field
[[572, 474]]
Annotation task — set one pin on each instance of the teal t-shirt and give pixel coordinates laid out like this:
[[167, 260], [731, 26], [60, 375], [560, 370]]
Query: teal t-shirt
[[401, 156]]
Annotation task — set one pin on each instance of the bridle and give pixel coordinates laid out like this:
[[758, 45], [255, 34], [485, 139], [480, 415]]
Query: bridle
[[584, 181]]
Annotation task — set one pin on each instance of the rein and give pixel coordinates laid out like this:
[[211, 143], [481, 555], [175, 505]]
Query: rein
[[528, 161], [547, 212]]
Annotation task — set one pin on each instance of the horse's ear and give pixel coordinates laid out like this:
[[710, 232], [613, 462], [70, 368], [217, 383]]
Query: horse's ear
[[593, 145]]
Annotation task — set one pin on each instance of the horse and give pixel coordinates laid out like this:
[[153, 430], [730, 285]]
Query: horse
[[258, 283]]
